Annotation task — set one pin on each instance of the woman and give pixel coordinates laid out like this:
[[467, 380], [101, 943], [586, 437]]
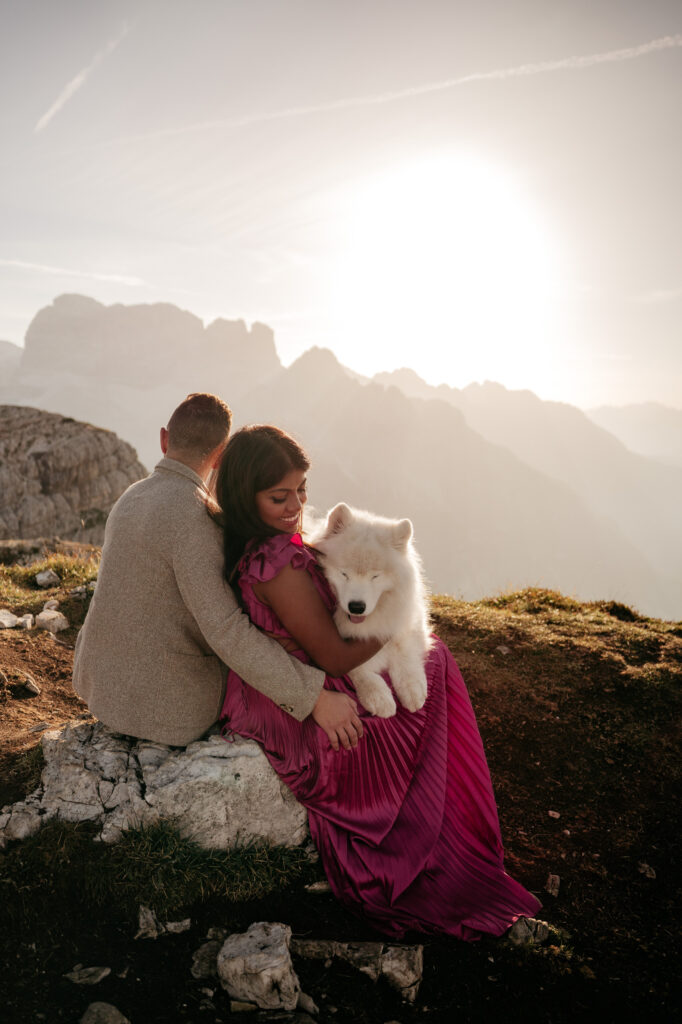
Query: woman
[[405, 822]]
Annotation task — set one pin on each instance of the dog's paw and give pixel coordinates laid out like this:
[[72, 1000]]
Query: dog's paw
[[377, 699], [412, 695]]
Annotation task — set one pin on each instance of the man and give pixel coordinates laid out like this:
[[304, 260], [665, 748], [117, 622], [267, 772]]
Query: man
[[163, 624]]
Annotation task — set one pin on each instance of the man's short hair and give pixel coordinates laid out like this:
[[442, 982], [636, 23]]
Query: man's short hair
[[199, 424]]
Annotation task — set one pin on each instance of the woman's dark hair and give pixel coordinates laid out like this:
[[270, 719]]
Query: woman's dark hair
[[256, 458]]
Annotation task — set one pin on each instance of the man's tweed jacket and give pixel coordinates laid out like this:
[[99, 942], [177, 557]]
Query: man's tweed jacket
[[163, 623]]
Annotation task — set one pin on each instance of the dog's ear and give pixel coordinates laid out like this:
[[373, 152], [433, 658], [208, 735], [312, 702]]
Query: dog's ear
[[338, 519], [401, 534]]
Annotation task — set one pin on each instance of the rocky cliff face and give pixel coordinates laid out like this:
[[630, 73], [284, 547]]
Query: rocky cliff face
[[59, 476]]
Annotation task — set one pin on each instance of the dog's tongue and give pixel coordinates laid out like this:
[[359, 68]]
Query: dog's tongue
[[356, 618]]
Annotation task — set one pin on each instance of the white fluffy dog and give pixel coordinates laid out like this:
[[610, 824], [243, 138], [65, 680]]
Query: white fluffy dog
[[376, 575]]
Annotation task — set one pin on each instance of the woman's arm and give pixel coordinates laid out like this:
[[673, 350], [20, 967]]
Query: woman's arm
[[296, 603]]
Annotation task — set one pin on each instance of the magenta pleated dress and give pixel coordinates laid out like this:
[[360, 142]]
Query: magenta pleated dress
[[406, 823]]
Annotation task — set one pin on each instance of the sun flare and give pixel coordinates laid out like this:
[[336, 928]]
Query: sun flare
[[445, 266]]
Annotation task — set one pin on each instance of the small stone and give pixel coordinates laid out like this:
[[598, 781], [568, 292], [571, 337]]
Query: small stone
[[239, 1006], [91, 586], [40, 727], [307, 1004], [322, 886], [554, 814], [503, 649], [527, 931], [177, 927], [552, 885], [78, 592], [205, 959], [148, 925], [31, 685], [87, 975], [51, 606], [48, 578], [255, 966], [7, 619], [26, 622], [103, 1013], [52, 621], [646, 870]]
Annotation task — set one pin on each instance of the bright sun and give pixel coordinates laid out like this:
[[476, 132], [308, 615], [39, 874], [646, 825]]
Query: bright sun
[[445, 266]]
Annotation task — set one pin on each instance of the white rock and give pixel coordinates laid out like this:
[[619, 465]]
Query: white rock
[[214, 792], [103, 1013], [26, 622], [7, 619], [255, 966], [51, 606], [47, 578], [52, 621]]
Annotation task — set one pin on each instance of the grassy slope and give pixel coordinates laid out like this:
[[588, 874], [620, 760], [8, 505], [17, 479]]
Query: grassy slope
[[580, 714]]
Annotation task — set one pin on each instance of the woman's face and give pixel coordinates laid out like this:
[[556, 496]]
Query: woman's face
[[280, 506]]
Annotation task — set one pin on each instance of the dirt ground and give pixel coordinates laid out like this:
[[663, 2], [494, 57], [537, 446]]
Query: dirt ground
[[579, 708]]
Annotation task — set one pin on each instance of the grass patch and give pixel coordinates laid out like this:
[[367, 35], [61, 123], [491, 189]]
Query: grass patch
[[61, 868], [27, 769], [18, 585]]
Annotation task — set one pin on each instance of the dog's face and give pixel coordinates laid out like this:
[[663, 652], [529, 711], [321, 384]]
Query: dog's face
[[361, 557]]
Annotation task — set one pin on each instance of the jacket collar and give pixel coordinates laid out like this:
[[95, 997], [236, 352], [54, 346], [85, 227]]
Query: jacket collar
[[173, 466]]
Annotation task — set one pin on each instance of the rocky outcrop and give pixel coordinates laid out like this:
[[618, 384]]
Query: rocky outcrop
[[59, 476], [214, 792]]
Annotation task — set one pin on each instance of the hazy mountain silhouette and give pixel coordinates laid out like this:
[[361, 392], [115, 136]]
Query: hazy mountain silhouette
[[494, 505], [641, 495], [647, 428], [127, 367], [10, 357]]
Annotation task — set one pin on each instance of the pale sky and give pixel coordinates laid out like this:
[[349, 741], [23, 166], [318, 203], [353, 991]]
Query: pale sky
[[482, 190]]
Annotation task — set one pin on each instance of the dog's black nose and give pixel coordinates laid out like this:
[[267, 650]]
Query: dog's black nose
[[356, 607]]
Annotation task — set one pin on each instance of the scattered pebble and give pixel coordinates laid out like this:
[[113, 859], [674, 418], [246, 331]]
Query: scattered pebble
[[103, 1013], [554, 814], [31, 685], [48, 578], [503, 649], [552, 885], [87, 975], [51, 606], [646, 870], [52, 621], [7, 619]]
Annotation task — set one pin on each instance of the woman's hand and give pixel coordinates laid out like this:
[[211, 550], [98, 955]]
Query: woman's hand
[[337, 714]]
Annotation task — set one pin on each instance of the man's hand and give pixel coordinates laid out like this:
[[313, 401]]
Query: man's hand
[[337, 714]]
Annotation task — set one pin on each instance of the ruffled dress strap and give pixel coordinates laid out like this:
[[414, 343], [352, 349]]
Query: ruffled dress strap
[[265, 559]]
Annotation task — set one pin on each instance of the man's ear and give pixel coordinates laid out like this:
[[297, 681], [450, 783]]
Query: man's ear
[[217, 455], [164, 440]]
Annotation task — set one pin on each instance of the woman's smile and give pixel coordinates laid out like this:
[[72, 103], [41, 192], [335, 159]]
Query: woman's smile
[[280, 506]]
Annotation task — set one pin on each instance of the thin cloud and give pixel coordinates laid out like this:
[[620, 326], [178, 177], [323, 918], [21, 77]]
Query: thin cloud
[[499, 74], [79, 80], [133, 282]]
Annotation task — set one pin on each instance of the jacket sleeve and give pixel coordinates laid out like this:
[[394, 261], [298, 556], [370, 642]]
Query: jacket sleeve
[[259, 660]]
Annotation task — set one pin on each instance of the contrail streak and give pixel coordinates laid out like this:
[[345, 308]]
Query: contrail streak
[[134, 282], [499, 74], [72, 87]]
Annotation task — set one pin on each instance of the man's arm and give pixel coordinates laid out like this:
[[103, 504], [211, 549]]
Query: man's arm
[[259, 660]]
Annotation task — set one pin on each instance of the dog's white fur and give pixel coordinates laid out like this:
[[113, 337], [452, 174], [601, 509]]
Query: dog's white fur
[[374, 569]]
